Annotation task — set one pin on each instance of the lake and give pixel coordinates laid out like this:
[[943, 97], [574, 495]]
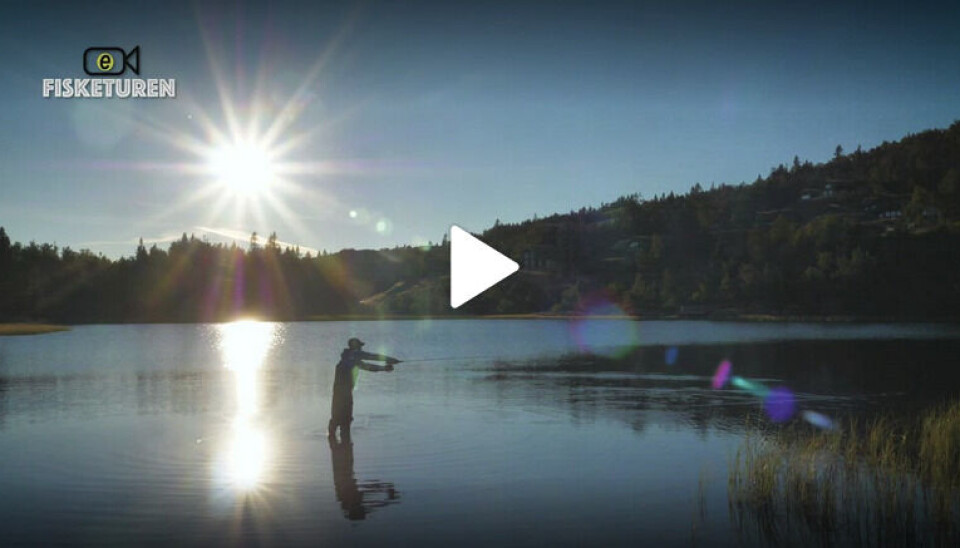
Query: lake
[[504, 432]]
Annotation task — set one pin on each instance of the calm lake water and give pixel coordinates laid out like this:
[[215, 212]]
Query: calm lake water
[[493, 432]]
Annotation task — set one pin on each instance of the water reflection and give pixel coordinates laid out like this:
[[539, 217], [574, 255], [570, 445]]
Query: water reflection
[[357, 498], [244, 346], [246, 455], [831, 379]]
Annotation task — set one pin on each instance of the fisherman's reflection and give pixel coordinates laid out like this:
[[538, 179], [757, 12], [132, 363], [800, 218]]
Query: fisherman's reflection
[[357, 498]]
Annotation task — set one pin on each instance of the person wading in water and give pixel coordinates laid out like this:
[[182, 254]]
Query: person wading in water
[[343, 381]]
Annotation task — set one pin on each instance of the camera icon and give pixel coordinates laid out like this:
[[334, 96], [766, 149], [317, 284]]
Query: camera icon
[[110, 61]]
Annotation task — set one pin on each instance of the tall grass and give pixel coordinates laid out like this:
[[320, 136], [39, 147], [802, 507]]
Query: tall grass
[[885, 482], [939, 455]]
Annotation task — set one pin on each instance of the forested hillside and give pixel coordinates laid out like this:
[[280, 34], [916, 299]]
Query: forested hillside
[[869, 233]]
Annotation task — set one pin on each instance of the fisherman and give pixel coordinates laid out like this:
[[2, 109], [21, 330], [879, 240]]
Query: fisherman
[[343, 382]]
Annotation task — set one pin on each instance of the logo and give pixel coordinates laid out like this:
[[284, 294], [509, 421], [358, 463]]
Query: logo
[[110, 61], [103, 63]]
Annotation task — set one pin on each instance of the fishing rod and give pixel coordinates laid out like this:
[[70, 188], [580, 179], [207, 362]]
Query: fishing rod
[[446, 359]]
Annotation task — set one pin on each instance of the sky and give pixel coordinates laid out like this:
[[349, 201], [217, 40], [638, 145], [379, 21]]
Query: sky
[[386, 122]]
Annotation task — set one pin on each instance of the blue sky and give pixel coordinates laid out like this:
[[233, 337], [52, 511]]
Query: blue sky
[[417, 115]]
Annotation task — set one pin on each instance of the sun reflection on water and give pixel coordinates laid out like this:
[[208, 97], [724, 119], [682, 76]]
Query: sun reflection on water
[[247, 456], [244, 346]]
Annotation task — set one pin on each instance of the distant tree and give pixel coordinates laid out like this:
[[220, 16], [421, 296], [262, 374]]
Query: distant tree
[[8, 291], [838, 152], [668, 289], [919, 201], [141, 252], [6, 251], [948, 186], [569, 299], [656, 247], [781, 232]]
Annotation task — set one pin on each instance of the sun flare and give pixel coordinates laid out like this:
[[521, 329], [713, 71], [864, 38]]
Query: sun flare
[[244, 168], [248, 163]]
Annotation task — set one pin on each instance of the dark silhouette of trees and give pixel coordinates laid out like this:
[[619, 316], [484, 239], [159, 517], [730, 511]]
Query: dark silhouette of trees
[[874, 233], [192, 280]]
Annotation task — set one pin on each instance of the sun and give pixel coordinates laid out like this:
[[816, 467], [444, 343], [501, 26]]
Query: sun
[[245, 168], [247, 164]]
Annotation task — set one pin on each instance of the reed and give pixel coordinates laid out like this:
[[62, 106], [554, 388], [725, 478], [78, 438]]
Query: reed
[[881, 482], [939, 447]]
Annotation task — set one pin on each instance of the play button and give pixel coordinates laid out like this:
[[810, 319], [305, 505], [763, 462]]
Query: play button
[[474, 266]]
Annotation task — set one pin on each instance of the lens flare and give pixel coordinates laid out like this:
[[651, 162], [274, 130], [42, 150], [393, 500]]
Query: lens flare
[[818, 419], [757, 390], [384, 226], [604, 328], [670, 356], [779, 404], [722, 375]]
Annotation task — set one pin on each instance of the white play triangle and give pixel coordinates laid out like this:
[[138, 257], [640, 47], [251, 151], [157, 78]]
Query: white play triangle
[[474, 266]]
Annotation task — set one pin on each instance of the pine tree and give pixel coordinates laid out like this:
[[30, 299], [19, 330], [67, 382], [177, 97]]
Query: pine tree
[[141, 252], [6, 250]]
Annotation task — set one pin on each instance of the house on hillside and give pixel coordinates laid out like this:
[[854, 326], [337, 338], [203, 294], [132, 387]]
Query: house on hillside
[[840, 187], [829, 190], [629, 246], [883, 207]]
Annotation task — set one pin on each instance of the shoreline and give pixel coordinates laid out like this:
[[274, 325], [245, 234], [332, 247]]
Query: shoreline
[[20, 329], [737, 318], [26, 328]]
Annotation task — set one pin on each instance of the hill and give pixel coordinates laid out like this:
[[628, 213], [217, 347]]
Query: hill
[[869, 234]]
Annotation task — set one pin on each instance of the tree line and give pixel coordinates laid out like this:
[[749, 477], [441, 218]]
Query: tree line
[[868, 233], [192, 280]]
